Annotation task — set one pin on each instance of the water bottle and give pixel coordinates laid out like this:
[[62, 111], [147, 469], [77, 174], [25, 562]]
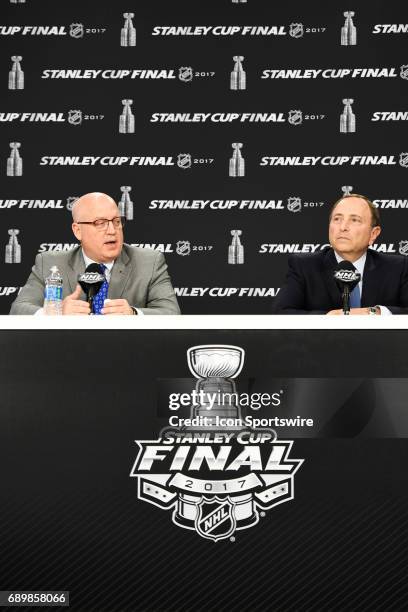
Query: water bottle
[[53, 293]]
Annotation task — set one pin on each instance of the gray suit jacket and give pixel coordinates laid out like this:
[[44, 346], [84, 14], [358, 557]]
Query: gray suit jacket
[[138, 275]]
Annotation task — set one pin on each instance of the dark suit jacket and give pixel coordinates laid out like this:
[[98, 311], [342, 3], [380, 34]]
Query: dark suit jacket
[[311, 289]]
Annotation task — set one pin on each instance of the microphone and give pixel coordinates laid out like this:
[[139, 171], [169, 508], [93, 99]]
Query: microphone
[[347, 278], [91, 281]]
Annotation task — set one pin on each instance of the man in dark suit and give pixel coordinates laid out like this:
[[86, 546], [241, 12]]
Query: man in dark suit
[[310, 286]]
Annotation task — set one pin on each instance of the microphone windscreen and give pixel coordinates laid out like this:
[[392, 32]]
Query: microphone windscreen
[[91, 280], [346, 275]]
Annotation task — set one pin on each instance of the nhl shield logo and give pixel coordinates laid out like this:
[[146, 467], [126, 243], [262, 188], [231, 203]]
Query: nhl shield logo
[[296, 30], [404, 72], [403, 160], [184, 161], [294, 204], [71, 201], [215, 518], [295, 117], [403, 247], [75, 117], [186, 74], [76, 30], [183, 247]]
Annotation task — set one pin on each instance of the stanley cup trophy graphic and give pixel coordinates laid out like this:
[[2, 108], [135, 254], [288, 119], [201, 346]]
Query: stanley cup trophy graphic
[[237, 162], [347, 190], [347, 118], [238, 75], [13, 249], [16, 75], [215, 366], [128, 32], [349, 31], [14, 162], [236, 250], [126, 204], [127, 119]]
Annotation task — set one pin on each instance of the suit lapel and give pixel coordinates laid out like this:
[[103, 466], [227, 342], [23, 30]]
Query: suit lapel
[[119, 276], [76, 266], [371, 292], [330, 263]]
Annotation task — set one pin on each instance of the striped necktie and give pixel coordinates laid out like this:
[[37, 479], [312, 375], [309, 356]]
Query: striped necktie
[[102, 294]]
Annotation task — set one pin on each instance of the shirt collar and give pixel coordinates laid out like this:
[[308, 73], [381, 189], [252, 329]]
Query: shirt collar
[[359, 264], [90, 261]]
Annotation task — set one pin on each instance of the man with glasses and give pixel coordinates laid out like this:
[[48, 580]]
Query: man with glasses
[[136, 280]]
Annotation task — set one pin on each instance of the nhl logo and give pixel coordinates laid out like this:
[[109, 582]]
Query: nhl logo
[[296, 30], [295, 117], [403, 247], [404, 72], [71, 201], [294, 204], [76, 30], [403, 160], [184, 161], [75, 117], [216, 518], [186, 74], [183, 248]]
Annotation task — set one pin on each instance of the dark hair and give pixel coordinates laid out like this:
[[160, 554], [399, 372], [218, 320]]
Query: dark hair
[[375, 213]]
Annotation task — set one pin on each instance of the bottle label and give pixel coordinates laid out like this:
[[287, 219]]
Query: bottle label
[[52, 293]]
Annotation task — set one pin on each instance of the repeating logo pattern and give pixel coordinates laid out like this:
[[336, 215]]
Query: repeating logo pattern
[[232, 150]]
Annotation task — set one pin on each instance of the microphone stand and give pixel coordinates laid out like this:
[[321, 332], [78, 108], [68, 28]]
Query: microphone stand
[[90, 298], [346, 300]]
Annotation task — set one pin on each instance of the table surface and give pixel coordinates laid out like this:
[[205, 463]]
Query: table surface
[[206, 322]]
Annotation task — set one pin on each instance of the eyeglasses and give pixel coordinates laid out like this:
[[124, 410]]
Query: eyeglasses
[[103, 224]]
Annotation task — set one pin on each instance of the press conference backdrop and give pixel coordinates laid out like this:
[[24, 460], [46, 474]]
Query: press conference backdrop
[[225, 130]]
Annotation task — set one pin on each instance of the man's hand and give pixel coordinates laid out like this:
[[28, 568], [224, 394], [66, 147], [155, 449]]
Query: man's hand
[[72, 305], [353, 311], [116, 307]]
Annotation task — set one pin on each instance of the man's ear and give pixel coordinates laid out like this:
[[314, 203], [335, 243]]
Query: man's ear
[[375, 232], [76, 228]]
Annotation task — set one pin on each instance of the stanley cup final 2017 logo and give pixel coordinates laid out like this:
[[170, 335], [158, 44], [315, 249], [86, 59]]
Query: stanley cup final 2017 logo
[[216, 479]]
